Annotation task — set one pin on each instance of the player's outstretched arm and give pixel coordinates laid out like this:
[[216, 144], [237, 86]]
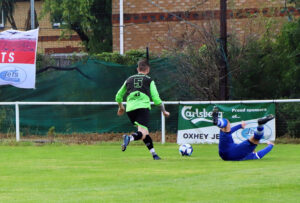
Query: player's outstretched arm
[[237, 127]]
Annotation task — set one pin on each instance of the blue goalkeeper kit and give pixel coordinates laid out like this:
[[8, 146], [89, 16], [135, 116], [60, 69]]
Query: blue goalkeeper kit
[[228, 150]]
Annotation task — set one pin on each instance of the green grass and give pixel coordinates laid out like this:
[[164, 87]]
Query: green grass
[[102, 173]]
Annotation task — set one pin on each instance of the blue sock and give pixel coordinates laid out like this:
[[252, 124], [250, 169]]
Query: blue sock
[[222, 123], [259, 133], [264, 151]]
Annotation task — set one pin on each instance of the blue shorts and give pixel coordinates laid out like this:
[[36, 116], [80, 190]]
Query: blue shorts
[[236, 152]]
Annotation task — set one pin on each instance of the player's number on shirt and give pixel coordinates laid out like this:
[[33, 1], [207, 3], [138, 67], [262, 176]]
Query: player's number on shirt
[[138, 82]]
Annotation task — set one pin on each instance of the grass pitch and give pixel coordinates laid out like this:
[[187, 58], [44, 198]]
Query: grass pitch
[[102, 173]]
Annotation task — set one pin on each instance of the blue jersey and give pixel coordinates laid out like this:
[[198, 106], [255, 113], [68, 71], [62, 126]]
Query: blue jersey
[[226, 141]]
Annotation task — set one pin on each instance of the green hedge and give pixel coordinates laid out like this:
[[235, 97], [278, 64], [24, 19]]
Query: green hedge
[[129, 58]]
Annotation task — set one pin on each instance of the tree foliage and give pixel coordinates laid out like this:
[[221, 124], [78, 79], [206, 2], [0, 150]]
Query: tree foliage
[[196, 53], [131, 57], [90, 19], [295, 2], [270, 67]]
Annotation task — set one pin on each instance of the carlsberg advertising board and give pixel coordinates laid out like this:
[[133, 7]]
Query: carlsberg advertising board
[[195, 122]]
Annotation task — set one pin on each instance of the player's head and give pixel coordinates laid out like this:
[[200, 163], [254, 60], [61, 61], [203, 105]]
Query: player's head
[[143, 66]]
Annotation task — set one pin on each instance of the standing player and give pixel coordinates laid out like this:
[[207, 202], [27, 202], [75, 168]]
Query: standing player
[[139, 89], [229, 151]]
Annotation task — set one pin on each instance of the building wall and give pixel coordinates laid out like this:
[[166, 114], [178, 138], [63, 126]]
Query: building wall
[[49, 38], [151, 22]]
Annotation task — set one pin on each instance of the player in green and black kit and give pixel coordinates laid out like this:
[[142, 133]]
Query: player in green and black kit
[[139, 89]]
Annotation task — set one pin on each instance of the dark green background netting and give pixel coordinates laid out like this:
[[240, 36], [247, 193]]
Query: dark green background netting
[[106, 79]]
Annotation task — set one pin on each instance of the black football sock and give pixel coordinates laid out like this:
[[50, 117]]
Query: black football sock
[[148, 142], [137, 135]]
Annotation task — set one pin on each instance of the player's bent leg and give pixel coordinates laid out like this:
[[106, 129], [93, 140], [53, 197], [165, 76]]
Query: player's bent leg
[[266, 150], [251, 156], [260, 128], [260, 154]]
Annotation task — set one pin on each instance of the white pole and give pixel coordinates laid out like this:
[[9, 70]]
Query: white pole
[[17, 122], [163, 128], [121, 28], [32, 14]]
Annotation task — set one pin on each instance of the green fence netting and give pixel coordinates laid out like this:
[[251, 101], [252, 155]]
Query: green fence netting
[[99, 82]]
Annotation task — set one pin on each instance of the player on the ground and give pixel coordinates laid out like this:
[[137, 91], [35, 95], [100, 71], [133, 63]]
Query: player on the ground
[[230, 151], [139, 89]]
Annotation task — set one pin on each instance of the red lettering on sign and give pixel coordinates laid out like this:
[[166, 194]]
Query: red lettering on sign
[[17, 57]]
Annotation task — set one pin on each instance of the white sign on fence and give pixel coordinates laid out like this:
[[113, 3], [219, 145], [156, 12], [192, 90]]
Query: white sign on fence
[[195, 122], [18, 58]]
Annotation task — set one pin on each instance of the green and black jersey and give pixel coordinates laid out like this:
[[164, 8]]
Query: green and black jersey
[[139, 89]]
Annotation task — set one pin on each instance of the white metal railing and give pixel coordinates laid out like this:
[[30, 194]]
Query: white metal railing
[[163, 125]]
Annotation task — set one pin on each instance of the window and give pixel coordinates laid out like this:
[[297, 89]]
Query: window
[[58, 25], [55, 25], [57, 22], [1, 19]]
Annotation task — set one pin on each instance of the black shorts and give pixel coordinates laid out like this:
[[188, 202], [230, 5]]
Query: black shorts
[[139, 117]]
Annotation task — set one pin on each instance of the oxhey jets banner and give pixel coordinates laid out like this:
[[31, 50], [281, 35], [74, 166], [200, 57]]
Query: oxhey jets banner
[[195, 122], [18, 58]]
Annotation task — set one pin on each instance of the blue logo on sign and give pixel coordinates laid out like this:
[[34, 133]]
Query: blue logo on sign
[[10, 75], [248, 132], [13, 74]]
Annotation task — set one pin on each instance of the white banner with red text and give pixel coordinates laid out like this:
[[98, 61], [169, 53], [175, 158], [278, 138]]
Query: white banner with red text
[[18, 58]]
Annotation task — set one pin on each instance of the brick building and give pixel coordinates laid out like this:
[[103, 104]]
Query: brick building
[[149, 22], [49, 37]]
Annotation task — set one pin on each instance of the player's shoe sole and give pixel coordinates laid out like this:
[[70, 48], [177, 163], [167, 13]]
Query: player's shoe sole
[[126, 140], [156, 157], [264, 120], [215, 115]]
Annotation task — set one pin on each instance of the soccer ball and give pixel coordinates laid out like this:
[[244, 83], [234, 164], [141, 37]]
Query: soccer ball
[[186, 150]]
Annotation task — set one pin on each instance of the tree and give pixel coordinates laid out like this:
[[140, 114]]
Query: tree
[[196, 53], [90, 19], [8, 7], [270, 67], [295, 2]]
